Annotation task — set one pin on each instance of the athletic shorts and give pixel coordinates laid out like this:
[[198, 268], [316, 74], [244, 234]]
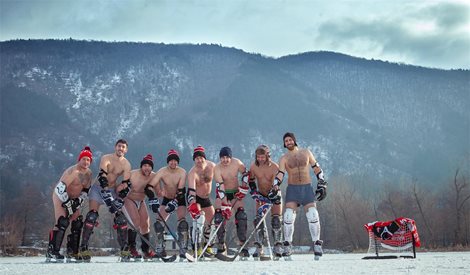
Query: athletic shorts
[[301, 194], [203, 202], [95, 194], [181, 202]]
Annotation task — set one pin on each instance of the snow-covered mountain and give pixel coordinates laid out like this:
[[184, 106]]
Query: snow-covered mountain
[[361, 118]]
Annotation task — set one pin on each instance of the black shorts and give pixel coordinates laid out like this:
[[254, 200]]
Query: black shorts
[[181, 202], [230, 195], [203, 202]]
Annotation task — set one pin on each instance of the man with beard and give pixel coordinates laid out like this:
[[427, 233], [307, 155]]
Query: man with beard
[[107, 192], [296, 161], [136, 209], [199, 204], [170, 182], [262, 173], [68, 196], [230, 196]]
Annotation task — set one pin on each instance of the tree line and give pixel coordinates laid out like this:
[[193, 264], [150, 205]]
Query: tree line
[[442, 214]]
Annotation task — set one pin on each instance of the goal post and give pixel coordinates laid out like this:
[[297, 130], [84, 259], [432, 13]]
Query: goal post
[[392, 239]]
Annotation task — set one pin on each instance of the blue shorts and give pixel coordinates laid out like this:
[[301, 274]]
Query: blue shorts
[[95, 194], [301, 194]]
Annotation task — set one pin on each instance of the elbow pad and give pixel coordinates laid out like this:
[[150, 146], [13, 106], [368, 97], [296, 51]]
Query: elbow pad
[[149, 192], [61, 191], [220, 194], [180, 194]]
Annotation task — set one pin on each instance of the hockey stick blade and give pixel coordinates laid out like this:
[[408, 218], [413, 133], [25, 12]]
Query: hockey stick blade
[[225, 258]]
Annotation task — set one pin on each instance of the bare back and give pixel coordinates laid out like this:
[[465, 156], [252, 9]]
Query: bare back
[[201, 179], [264, 175], [297, 164]]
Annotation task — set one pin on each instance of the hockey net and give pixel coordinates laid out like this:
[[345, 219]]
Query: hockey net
[[392, 239]]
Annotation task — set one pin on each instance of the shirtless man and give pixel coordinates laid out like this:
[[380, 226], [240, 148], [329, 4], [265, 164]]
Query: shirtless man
[[170, 182], [199, 189], [299, 191], [136, 209], [229, 194], [108, 192], [67, 197], [262, 172]]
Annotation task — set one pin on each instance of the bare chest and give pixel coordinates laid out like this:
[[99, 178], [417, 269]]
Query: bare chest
[[297, 160]]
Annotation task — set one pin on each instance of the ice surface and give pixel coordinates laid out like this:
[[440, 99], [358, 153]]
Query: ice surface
[[425, 263]]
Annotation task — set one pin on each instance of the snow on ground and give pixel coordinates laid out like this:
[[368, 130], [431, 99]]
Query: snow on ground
[[425, 263]]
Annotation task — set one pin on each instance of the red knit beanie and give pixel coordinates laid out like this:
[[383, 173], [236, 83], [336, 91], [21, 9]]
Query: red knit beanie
[[173, 154], [199, 152], [86, 152], [148, 159]]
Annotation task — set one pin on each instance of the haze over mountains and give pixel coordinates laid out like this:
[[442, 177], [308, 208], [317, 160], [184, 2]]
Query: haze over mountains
[[361, 118]]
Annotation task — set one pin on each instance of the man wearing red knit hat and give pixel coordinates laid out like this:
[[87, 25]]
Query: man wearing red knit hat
[[199, 204], [68, 196], [170, 183], [136, 209]]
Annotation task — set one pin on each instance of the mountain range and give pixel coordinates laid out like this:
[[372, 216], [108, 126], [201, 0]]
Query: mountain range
[[366, 119]]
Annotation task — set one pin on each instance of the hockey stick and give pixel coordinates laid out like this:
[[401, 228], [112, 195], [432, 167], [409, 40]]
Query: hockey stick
[[131, 225], [222, 257], [188, 256], [214, 234], [266, 235]]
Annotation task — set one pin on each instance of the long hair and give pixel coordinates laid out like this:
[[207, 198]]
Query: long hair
[[262, 150]]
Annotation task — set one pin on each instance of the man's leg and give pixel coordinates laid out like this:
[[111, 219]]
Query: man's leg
[[241, 220], [314, 227], [289, 219], [120, 223], [160, 234], [56, 237], [218, 219], [73, 239]]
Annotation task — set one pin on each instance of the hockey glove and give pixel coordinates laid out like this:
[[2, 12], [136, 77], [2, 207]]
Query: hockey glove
[[194, 210], [242, 191], [102, 179], [154, 204], [274, 196], [124, 192], [171, 206], [320, 193], [226, 210]]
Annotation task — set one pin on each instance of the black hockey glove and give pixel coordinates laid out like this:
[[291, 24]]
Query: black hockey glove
[[274, 196], [320, 193], [154, 204], [102, 179], [171, 206], [124, 192]]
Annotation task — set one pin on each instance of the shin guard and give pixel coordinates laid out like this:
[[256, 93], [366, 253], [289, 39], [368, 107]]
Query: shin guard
[[242, 223], [289, 219]]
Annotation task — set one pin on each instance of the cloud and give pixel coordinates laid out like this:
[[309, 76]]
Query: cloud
[[434, 36]]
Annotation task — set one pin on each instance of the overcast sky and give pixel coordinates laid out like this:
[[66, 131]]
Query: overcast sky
[[421, 32]]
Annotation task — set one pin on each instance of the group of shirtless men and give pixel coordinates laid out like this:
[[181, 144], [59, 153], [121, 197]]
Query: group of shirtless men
[[233, 182]]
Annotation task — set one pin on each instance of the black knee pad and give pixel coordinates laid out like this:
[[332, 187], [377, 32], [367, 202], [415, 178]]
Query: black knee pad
[[242, 222], [159, 228], [77, 225], [241, 214], [256, 221], [91, 217], [218, 217], [276, 222], [62, 223], [120, 220], [183, 226]]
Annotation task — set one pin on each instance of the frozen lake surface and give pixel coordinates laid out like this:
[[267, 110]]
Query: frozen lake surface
[[425, 263]]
